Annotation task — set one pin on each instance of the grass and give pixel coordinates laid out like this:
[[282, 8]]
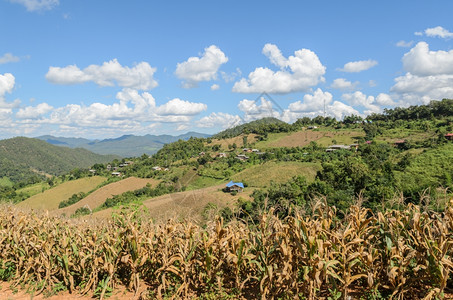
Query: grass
[[390, 135], [279, 172], [303, 138], [50, 199], [34, 189], [200, 182], [6, 182]]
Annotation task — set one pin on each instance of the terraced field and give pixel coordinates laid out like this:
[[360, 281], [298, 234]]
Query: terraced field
[[99, 196], [49, 199], [303, 138], [187, 204], [279, 172]]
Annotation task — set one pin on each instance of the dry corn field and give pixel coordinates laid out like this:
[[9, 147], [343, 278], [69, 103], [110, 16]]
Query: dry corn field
[[397, 255]]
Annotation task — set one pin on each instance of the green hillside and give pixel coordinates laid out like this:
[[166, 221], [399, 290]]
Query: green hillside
[[24, 158]]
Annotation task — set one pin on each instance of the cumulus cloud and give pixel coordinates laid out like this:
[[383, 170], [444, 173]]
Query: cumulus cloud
[[313, 105], [360, 99], [138, 77], [8, 58], [423, 62], [221, 120], [133, 112], [343, 84], [384, 100], [297, 73], [7, 82], [254, 110], [358, 66], [215, 87], [204, 68], [439, 31], [37, 5], [414, 89], [429, 76], [404, 44], [34, 112], [181, 107]]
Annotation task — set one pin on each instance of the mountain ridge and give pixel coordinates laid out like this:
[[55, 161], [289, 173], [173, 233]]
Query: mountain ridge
[[125, 146]]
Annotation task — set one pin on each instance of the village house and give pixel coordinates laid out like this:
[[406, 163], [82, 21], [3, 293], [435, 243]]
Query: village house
[[449, 136], [337, 147], [118, 174], [234, 186], [242, 157], [221, 155], [156, 168]]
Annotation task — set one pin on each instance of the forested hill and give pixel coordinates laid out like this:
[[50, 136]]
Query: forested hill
[[124, 146], [23, 158], [265, 125]]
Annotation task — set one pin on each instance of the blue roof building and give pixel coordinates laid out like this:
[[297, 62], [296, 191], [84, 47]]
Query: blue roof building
[[234, 186]]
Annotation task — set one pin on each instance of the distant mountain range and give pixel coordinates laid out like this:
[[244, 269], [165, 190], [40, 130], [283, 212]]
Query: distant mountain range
[[124, 146], [22, 158]]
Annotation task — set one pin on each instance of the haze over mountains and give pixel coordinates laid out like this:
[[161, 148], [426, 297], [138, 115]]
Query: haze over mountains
[[124, 146]]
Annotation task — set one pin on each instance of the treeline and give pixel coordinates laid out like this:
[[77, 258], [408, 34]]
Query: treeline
[[379, 175], [435, 109], [262, 126]]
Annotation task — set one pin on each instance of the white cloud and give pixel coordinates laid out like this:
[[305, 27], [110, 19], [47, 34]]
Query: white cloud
[[418, 33], [254, 110], [182, 127], [339, 110], [423, 62], [34, 112], [438, 31], [228, 77], [7, 82], [134, 112], [404, 44], [358, 66], [343, 84], [312, 103], [8, 58], [138, 77], [221, 120], [37, 5], [372, 83], [215, 87], [204, 68], [414, 90], [360, 99], [297, 73], [181, 107], [429, 76], [384, 100]]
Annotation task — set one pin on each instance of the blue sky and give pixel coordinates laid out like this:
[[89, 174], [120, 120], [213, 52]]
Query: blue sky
[[101, 69]]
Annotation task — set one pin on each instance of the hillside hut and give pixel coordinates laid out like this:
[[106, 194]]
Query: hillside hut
[[234, 186]]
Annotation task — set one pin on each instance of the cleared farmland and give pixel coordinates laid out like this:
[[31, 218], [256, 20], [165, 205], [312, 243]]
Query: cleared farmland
[[279, 172], [50, 199], [187, 204], [304, 137], [99, 196]]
